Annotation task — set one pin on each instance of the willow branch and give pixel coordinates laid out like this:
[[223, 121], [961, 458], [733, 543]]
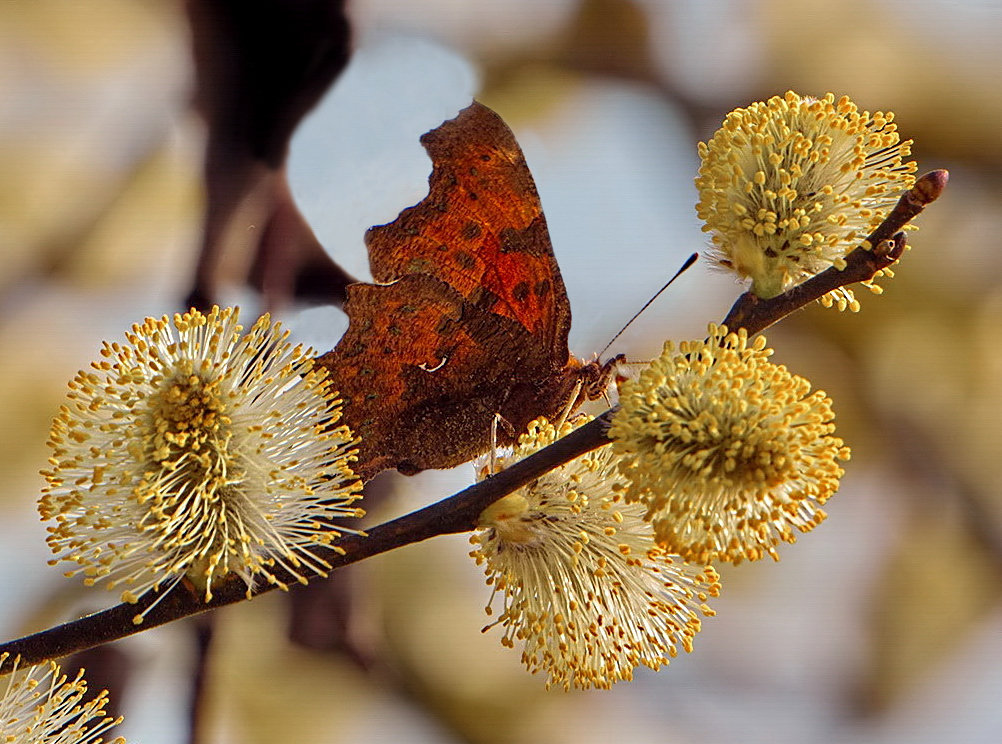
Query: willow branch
[[883, 247], [457, 513]]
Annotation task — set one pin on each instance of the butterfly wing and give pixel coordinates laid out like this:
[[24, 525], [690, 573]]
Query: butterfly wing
[[470, 317], [422, 374], [481, 230]]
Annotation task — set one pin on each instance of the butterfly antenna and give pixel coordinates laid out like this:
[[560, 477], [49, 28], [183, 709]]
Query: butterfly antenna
[[685, 267]]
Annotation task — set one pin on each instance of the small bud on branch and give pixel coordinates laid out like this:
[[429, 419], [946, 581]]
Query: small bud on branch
[[756, 314]]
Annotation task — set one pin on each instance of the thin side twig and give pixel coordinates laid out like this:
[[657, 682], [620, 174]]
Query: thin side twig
[[883, 247]]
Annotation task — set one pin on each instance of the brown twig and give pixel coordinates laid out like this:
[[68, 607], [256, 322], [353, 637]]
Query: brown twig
[[455, 514], [755, 314], [459, 513]]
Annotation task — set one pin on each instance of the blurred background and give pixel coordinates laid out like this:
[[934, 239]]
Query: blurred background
[[883, 625]]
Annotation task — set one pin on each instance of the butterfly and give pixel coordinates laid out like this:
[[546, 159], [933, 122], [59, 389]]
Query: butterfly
[[468, 320]]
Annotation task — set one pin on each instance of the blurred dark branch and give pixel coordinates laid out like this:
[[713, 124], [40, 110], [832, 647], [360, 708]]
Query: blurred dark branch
[[923, 462], [203, 630], [259, 69], [322, 613], [888, 243], [108, 668]]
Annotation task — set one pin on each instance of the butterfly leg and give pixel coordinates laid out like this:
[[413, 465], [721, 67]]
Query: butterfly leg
[[492, 459], [572, 403], [498, 420]]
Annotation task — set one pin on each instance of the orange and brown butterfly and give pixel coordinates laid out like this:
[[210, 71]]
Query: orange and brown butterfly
[[469, 317]]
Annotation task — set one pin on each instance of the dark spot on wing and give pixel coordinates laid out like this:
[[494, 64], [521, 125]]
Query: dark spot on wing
[[471, 231], [352, 350], [464, 259], [482, 297], [512, 240]]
